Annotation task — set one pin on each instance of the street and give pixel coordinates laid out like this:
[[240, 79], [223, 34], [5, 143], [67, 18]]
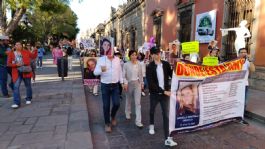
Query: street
[[126, 135]]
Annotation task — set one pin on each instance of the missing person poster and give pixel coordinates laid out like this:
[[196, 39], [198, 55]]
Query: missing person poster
[[89, 66], [106, 45], [206, 96]]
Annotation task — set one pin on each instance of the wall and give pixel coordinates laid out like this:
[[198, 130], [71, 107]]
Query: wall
[[260, 44], [169, 20], [202, 6]]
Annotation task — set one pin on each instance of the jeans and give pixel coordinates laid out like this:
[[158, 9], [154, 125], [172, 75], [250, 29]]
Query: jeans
[[27, 82], [3, 80], [110, 92], [9, 71], [164, 103], [39, 62]]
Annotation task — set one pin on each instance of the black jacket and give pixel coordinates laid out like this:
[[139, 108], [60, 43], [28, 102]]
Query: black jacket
[[152, 79]]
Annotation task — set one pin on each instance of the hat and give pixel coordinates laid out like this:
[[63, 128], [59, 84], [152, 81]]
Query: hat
[[154, 50], [3, 37]]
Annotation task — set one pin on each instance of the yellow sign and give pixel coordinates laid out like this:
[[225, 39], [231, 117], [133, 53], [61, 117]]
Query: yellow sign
[[190, 47], [210, 61]]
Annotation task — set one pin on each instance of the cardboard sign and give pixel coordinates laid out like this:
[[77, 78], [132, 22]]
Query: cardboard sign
[[210, 61], [190, 47]]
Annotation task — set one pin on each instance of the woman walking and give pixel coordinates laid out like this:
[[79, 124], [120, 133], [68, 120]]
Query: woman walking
[[133, 83]]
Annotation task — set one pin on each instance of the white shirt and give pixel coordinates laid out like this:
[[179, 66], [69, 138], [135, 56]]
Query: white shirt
[[113, 74], [246, 67], [160, 75]]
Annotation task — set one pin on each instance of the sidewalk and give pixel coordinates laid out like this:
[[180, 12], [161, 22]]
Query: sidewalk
[[57, 117], [256, 105]]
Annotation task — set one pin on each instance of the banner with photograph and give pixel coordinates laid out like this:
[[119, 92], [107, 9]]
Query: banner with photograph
[[205, 26], [89, 66], [106, 45], [206, 96]]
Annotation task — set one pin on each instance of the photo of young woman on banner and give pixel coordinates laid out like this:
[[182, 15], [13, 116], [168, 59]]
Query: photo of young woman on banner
[[187, 104], [106, 46]]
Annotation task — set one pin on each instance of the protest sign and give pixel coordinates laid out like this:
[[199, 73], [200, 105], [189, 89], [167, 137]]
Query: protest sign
[[206, 96], [210, 61], [190, 47], [89, 66], [106, 45], [88, 43]]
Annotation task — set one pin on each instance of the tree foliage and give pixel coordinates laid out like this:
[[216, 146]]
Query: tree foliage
[[53, 17], [46, 16]]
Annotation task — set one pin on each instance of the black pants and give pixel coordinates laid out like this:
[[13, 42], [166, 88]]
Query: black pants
[[164, 103]]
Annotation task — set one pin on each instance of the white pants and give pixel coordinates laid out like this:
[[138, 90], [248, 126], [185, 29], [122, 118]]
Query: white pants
[[70, 62], [134, 92]]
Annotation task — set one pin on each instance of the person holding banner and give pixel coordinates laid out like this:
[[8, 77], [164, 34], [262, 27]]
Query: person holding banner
[[248, 66], [110, 71], [158, 73], [133, 83]]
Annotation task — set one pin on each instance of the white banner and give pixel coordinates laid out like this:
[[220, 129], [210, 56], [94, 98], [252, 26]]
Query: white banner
[[206, 96]]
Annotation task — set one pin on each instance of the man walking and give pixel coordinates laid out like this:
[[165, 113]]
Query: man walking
[[158, 73], [3, 67], [108, 66]]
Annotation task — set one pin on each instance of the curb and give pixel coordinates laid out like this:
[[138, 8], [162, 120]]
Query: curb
[[255, 117]]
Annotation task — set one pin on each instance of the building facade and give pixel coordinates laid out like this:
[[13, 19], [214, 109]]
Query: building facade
[[137, 21]]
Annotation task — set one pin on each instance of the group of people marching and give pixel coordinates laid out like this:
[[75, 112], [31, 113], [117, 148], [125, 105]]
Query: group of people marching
[[20, 61], [142, 71]]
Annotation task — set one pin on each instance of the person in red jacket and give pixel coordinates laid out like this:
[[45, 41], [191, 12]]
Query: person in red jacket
[[16, 58]]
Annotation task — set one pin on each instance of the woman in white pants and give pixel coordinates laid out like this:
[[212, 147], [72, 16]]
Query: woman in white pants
[[133, 83]]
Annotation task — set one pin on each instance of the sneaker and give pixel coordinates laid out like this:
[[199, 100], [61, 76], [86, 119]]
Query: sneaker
[[28, 102], [151, 129], [108, 128], [139, 125], [113, 122], [170, 142], [14, 106], [128, 116], [143, 94], [95, 94]]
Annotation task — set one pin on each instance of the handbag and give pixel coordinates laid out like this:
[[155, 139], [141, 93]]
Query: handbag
[[24, 69]]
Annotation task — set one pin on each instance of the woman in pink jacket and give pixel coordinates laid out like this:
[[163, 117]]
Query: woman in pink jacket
[[56, 53]]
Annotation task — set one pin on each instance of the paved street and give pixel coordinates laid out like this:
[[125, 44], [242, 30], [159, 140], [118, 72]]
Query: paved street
[[56, 119], [127, 135]]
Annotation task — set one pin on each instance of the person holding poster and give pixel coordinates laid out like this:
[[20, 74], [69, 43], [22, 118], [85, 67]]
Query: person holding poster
[[133, 83], [110, 71], [158, 73]]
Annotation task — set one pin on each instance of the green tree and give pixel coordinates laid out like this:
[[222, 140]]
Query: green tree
[[19, 7]]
